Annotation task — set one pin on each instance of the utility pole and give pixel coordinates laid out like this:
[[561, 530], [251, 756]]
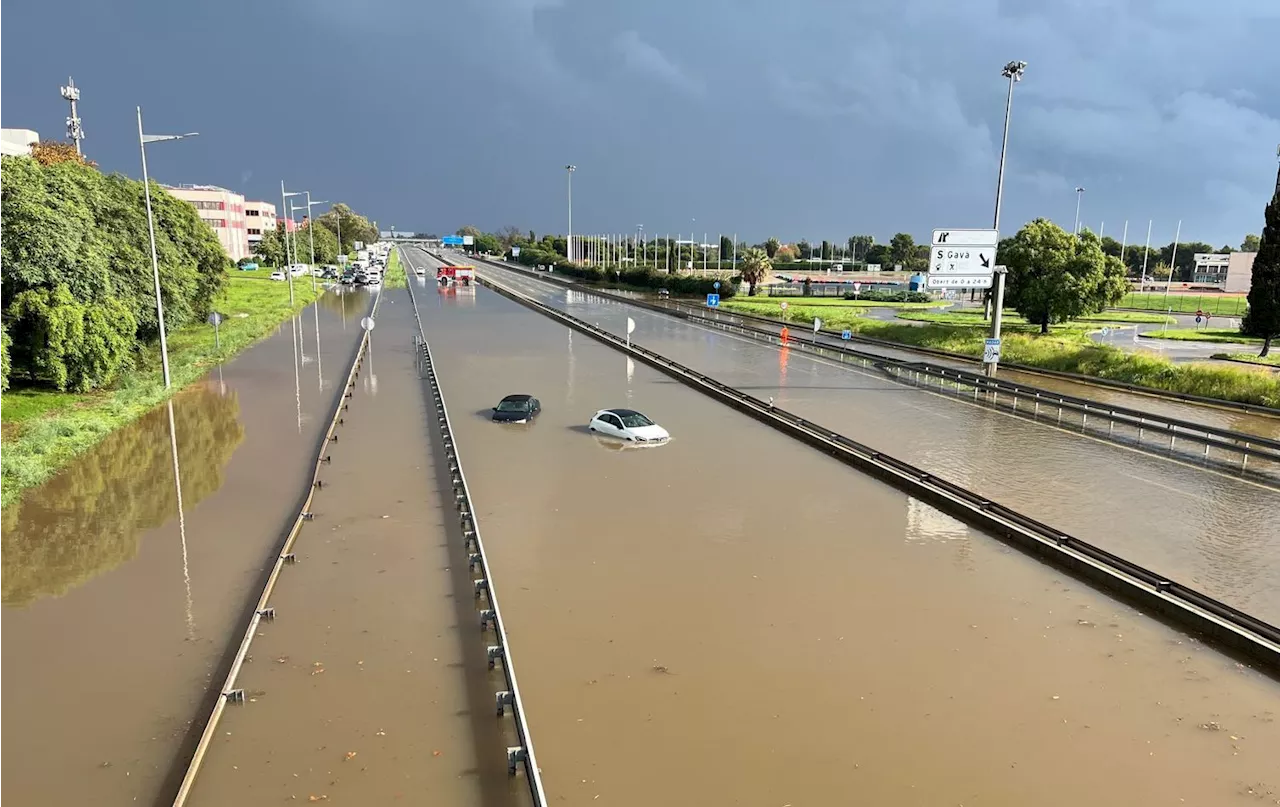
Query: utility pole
[[1014, 72], [1079, 196], [568, 245], [72, 93]]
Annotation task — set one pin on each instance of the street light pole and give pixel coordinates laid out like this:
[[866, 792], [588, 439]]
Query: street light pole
[[1079, 196], [568, 245], [1014, 72], [143, 140], [288, 219]]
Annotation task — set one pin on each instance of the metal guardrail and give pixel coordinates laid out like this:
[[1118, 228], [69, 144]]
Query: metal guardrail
[[1220, 623], [1088, 380], [1239, 443], [229, 693], [491, 617]]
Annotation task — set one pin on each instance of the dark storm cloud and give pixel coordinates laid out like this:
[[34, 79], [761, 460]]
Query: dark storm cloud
[[808, 119]]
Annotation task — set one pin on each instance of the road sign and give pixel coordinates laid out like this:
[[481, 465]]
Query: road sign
[[966, 238], [713, 301], [991, 351], [817, 324], [515, 252], [367, 323], [451, 241], [342, 259], [784, 305], [1198, 318], [856, 287], [962, 259], [631, 325], [716, 285], [958, 281], [468, 240], [846, 335], [873, 267]]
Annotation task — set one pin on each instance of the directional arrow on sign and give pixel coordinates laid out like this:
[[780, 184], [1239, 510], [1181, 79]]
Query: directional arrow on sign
[[986, 262]]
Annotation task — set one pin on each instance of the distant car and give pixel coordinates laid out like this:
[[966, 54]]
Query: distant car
[[517, 409], [277, 275], [627, 424], [419, 271], [664, 293], [298, 269]]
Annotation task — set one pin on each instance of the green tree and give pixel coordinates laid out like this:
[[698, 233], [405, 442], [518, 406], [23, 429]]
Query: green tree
[[326, 244], [726, 247], [754, 266], [469, 229], [1054, 276], [270, 250], [1160, 271], [1263, 318], [4, 357], [354, 227], [859, 245], [902, 250], [804, 250], [771, 247], [78, 346], [1111, 247], [509, 237], [488, 242], [824, 251], [1251, 243], [877, 253]]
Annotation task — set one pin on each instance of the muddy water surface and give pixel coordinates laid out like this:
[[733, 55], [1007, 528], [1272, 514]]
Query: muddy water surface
[[695, 627], [1210, 530], [370, 686], [119, 603]]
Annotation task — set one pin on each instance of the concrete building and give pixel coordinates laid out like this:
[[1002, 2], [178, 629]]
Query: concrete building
[[221, 209], [1210, 268], [18, 141], [1239, 272], [259, 217]]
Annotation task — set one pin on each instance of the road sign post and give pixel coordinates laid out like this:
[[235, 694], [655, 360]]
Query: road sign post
[[215, 319], [989, 367], [631, 326], [857, 287], [713, 301], [817, 326]]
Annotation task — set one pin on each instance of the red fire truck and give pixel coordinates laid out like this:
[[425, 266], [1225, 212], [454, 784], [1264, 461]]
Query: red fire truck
[[455, 275]]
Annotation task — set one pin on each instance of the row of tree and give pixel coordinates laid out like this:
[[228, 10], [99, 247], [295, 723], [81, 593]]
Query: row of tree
[[79, 298], [322, 233]]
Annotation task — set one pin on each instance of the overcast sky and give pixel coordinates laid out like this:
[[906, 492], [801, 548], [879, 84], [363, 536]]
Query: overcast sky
[[805, 119]]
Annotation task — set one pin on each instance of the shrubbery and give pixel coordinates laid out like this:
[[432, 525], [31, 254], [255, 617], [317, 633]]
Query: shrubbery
[[637, 277], [79, 299], [887, 296]]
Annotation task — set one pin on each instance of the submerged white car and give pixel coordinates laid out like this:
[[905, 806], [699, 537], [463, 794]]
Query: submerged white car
[[628, 425]]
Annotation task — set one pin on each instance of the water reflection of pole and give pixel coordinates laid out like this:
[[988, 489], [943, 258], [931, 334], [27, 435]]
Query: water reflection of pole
[[569, 397], [297, 378], [319, 365], [631, 375], [182, 525]]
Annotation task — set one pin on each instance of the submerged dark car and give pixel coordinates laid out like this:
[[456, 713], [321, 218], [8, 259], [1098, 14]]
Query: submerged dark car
[[517, 409]]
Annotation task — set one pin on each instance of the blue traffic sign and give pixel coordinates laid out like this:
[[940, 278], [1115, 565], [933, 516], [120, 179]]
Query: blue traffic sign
[[452, 240], [713, 300], [846, 335], [716, 285]]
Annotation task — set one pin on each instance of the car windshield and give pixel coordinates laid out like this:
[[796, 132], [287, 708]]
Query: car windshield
[[513, 406], [635, 420]]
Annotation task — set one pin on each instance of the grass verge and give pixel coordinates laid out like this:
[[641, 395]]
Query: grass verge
[[1250, 358], [44, 429], [1070, 352], [774, 303], [395, 278], [1204, 335], [1215, 304], [972, 318]]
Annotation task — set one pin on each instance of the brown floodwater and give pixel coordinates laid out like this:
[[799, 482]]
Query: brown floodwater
[[119, 604], [1207, 529], [370, 686], [734, 618]]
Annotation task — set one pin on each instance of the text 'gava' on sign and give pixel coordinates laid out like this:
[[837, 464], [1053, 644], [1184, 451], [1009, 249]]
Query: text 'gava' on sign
[[962, 260]]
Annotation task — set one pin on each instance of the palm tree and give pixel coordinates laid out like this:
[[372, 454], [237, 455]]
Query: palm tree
[[755, 268], [771, 247]]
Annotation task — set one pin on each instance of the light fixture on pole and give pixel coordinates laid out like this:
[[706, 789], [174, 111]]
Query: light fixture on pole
[[287, 220], [1079, 196], [143, 140], [311, 234], [1014, 72], [568, 244]]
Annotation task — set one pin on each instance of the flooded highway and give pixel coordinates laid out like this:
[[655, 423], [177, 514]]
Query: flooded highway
[[1206, 529], [370, 686], [734, 618], [1221, 417], [120, 597]]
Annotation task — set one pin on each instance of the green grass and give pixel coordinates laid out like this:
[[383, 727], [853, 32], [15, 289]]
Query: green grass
[[1204, 335], [1251, 358], [395, 278], [1068, 351], [774, 304], [972, 318], [1133, 317], [45, 429], [1215, 304]]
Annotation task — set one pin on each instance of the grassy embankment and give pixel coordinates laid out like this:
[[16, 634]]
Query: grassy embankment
[[395, 278], [773, 303], [1219, 305], [1272, 360], [1066, 348], [44, 429], [1205, 335]]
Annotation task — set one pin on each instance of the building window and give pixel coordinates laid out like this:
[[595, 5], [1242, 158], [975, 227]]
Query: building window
[[221, 223]]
